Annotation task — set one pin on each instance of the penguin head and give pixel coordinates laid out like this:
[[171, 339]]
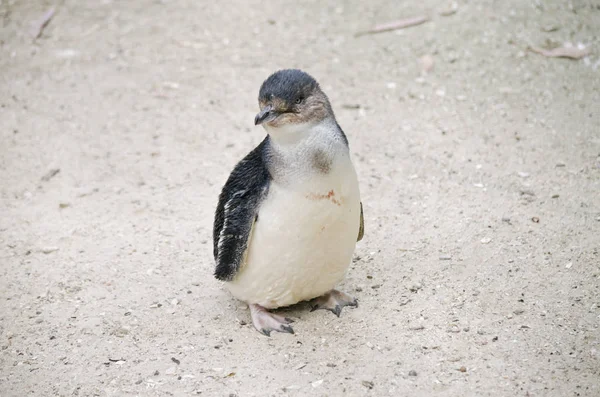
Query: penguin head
[[291, 98]]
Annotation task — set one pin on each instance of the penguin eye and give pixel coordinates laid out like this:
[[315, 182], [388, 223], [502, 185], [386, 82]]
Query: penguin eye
[[299, 100]]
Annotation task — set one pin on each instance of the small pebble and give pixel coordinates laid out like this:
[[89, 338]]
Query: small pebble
[[568, 265], [368, 384], [121, 332], [527, 192], [550, 28], [176, 361], [416, 328], [535, 219], [445, 257], [412, 372], [462, 369], [171, 371], [485, 240], [317, 383], [49, 250]]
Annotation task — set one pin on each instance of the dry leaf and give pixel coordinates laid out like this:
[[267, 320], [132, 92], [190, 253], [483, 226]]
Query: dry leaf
[[395, 25], [41, 25], [562, 52]]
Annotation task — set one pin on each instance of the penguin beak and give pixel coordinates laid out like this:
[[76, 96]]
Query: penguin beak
[[265, 115]]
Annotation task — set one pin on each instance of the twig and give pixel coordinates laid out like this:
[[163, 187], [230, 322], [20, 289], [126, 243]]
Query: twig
[[395, 25], [41, 25], [50, 174], [562, 52]]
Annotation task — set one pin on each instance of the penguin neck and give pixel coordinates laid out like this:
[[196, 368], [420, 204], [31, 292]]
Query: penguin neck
[[302, 151]]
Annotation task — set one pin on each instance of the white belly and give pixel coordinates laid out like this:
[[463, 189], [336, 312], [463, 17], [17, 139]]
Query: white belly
[[303, 240]]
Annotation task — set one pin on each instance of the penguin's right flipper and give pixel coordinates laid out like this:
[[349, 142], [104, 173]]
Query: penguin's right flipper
[[237, 211]]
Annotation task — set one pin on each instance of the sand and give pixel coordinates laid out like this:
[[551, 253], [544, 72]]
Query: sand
[[479, 271]]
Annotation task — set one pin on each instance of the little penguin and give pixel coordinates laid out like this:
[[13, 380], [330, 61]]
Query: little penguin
[[290, 214]]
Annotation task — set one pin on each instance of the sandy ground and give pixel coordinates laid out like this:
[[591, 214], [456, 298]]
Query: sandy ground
[[479, 272]]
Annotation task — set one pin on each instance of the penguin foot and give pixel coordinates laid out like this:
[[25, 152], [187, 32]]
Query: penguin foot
[[265, 321], [334, 301]]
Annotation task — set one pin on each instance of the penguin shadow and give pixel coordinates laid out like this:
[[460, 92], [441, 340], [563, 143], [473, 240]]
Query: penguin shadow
[[296, 311], [281, 319], [304, 309]]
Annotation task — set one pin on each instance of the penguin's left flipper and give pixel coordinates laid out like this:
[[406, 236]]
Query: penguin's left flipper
[[237, 211], [361, 228], [334, 301]]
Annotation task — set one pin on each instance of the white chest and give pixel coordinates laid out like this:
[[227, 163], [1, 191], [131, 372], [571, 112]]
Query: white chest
[[303, 240]]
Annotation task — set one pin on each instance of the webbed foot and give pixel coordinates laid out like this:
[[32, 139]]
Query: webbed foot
[[334, 301], [265, 322]]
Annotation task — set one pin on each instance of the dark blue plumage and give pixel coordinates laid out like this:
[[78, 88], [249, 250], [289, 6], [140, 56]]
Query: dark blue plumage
[[289, 85], [237, 210]]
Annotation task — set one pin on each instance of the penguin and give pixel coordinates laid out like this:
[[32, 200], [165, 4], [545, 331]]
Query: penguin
[[290, 214]]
